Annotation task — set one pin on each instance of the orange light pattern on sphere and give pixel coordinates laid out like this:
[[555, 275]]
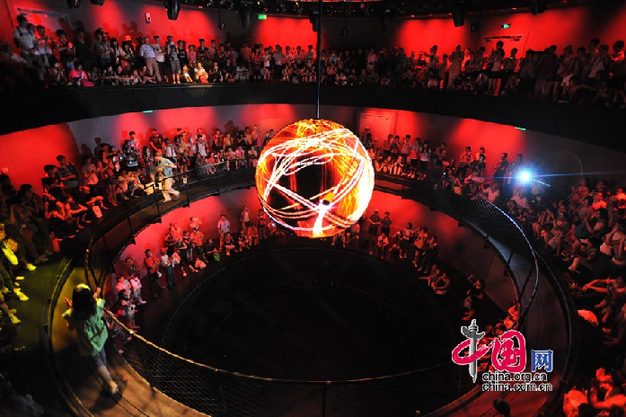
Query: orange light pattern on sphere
[[315, 178]]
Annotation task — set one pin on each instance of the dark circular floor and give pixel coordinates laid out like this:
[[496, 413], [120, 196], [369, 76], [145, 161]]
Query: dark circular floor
[[311, 313]]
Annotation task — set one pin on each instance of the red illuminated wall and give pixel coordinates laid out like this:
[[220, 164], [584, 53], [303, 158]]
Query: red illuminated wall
[[284, 31], [23, 154], [571, 25], [459, 246], [121, 18], [568, 25]]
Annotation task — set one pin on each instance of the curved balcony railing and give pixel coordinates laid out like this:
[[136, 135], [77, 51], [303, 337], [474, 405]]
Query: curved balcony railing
[[222, 393]]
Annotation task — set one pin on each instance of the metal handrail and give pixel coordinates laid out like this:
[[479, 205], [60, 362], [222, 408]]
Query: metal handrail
[[261, 378]]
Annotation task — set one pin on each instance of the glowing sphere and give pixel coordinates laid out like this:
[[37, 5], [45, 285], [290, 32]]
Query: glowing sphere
[[315, 178]]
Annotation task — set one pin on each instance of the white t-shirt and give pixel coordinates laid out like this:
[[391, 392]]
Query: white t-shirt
[[25, 38], [160, 56], [223, 226]]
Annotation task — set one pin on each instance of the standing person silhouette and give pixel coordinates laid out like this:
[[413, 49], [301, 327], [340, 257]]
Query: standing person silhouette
[[85, 316]]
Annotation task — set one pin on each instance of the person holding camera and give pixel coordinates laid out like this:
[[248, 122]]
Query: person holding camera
[[130, 152]]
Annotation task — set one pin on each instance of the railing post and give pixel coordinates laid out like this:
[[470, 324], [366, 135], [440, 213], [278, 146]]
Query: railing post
[[524, 310], [508, 261], [106, 248], [324, 393], [86, 264], [222, 403], [156, 202], [530, 272]]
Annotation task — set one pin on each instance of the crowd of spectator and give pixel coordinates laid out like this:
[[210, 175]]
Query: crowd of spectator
[[587, 75], [33, 226], [187, 250], [109, 176], [24, 244], [580, 230]]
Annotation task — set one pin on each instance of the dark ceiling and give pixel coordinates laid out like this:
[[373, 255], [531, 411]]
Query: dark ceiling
[[405, 8]]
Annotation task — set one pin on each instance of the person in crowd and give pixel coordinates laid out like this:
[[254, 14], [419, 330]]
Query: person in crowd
[[211, 250], [159, 54], [605, 394], [229, 244], [151, 263], [440, 284], [429, 254], [10, 261], [223, 228], [24, 39], [79, 77], [186, 75], [165, 168], [8, 321], [200, 74], [197, 242], [174, 63], [186, 253], [84, 315], [244, 219], [374, 223], [135, 285], [385, 224], [473, 298], [168, 266], [126, 307], [407, 236], [382, 242], [147, 52]]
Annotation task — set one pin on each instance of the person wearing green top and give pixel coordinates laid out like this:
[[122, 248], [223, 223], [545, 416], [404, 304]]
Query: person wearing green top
[[85, 316]]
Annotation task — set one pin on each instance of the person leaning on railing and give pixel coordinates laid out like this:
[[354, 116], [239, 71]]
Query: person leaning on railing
[[84, 314]]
